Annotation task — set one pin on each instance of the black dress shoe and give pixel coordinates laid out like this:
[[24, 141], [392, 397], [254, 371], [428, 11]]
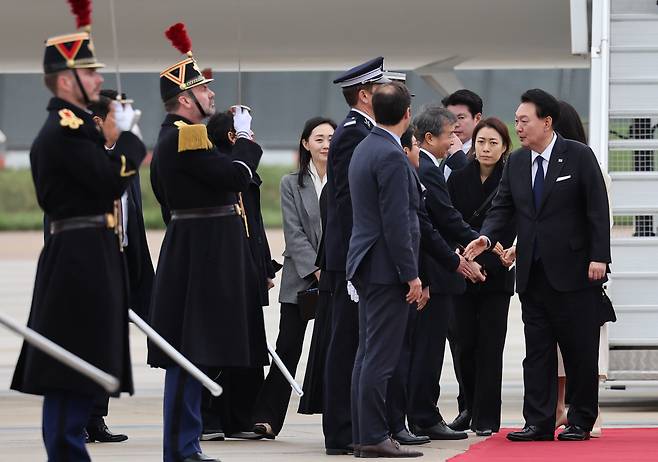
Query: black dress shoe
[[440, 431], [265, 430], [405, 437], [200, 457], [347, 451], [245, 436], [573, 433], [98, 431], [462, 422], [387, 448], [530, 433], [485, 432], [212, 434]]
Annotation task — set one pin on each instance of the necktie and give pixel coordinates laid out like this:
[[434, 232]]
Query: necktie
[[537, 191], [442, 166], [538, 186]]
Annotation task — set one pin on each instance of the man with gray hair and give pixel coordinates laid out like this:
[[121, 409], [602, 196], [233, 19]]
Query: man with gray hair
[[434, 129]]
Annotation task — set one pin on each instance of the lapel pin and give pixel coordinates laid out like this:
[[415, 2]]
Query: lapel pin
[[559, 160]]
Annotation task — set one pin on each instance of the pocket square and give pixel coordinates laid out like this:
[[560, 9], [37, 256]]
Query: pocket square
[[562, 178]]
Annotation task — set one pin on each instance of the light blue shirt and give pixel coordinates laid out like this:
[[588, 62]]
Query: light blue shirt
[[396, 137]]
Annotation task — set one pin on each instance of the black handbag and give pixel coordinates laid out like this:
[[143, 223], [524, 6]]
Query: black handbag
[[307, 300], [606, 310]]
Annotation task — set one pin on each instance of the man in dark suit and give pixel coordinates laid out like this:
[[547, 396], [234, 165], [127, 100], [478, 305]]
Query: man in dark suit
[[467, 108], [556, 190], [466, 105], [358, 86], [434, 130], [382, 262]]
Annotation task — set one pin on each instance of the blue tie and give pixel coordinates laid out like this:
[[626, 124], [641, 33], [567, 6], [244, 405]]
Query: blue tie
[[537, 191], [538, 187]]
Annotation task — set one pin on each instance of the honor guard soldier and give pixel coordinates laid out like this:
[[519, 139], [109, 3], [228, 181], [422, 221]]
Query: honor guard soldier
[[80, 298], [358, 86], [202, 296]]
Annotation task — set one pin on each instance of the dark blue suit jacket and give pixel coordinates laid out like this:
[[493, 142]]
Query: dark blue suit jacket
[[348, 135], [385, 200], [449, 222]]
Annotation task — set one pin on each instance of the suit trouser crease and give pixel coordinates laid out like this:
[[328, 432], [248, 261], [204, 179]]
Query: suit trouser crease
[[341, 353], [568, 319], [429, 340], [384, 315]]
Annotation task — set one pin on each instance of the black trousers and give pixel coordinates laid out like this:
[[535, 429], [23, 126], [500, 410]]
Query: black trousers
[[274, 397], [570, 320], [99, 410], [232, 411], [429, 341], [383, 318], [337, 415], [481, 326]]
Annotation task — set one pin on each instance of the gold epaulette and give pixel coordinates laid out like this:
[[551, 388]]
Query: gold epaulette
[[192, 137]]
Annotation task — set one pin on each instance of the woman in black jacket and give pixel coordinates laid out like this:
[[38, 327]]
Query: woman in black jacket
[[480, 316]]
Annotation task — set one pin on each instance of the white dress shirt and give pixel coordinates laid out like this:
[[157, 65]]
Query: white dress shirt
[[431, 156], [546, 157], [467, 145], [318, 182]]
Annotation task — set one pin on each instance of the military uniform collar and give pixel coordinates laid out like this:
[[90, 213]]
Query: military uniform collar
[[171, 118], [367, 120], [56, 104]]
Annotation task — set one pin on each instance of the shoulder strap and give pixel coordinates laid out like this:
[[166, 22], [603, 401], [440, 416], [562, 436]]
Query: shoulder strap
[[483, 207]]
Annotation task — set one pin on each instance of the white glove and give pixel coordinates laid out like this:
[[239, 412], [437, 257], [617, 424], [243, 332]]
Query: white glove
[[351, 291], [124, 116], [242, 122]]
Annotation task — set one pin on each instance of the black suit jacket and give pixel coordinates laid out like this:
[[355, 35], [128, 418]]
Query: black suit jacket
[[348, 135], [448, 221], [457, 161], [385, 234], [468, 193], [572, 225]]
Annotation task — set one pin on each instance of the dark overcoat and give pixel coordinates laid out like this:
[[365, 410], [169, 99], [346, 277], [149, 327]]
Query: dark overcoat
[[80, 298], [205, 294]]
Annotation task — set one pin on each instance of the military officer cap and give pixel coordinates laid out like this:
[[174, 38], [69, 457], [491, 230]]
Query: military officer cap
[[184, 74], [72, 51], [368, 72]]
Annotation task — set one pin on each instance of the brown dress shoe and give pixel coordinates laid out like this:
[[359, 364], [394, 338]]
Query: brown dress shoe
[[387, 448]]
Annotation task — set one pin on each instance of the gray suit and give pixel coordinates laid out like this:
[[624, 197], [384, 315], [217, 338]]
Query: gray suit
[[302, 230]]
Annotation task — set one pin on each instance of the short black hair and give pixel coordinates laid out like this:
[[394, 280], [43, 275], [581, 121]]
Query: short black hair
[[219, 126], [545, 103], [466, 97], [390, 103], [406, 140], [351, 94]]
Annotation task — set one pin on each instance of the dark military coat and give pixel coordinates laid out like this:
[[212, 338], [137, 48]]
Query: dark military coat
[[80, 296], [348, 135], [205, 292]]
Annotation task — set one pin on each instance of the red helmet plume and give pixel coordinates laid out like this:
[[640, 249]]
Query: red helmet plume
[[82, 11], [179, 38]]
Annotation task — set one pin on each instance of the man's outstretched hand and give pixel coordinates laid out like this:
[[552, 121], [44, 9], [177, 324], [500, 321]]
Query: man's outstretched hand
[[475, 248]]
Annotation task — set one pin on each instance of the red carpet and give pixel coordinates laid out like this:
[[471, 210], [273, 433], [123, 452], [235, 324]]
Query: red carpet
[[615, 445]]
